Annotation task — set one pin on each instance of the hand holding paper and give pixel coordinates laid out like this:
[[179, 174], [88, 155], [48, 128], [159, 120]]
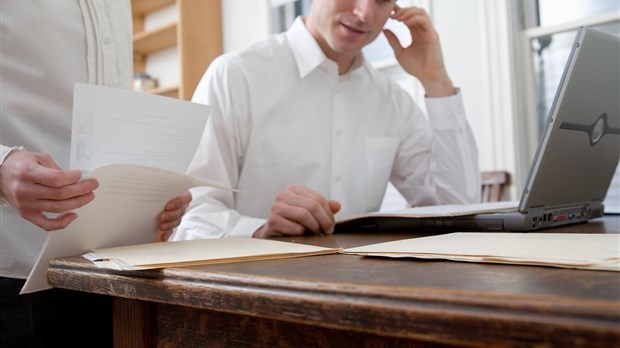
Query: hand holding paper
[[34, 185], [157, 136]]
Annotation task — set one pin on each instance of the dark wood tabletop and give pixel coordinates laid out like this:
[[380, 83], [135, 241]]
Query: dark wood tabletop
[[350, 300]]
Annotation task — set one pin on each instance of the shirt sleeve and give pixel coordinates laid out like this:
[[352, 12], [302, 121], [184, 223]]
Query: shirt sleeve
[[212, 213], [438, 161]]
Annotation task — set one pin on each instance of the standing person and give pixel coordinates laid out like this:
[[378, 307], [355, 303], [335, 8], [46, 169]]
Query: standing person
[[303, 122], [46, 46]]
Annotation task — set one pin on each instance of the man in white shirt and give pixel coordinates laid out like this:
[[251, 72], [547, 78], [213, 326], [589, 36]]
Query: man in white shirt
[[46, 46], [311, 130]]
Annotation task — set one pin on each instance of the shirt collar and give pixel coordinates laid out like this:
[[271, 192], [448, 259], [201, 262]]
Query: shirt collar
[[307, 51]]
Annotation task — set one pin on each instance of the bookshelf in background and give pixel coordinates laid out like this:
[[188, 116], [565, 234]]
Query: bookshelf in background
[[196, 34]]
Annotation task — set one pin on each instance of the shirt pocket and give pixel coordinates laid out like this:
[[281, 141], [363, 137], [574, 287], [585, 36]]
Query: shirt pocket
[[380, 155]]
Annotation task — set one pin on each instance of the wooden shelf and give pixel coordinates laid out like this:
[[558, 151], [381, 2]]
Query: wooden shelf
[[143, 7], [155, 40], [196, 34], [170, 91]]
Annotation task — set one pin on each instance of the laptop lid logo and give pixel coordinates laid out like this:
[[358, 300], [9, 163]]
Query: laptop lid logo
[[595, 131]]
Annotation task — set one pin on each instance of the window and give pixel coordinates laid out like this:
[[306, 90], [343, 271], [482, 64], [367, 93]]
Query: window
[[550, 27], [284, 12]]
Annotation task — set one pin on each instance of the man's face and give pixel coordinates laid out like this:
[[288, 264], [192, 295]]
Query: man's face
[[344, 27]]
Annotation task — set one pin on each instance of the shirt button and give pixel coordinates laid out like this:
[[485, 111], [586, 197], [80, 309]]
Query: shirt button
[[338, 133], [105, 36], [338, 177]]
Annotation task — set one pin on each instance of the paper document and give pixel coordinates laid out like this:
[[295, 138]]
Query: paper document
[[198, 252], [112, 125], [119, 137], [586, 251], [441, 210]]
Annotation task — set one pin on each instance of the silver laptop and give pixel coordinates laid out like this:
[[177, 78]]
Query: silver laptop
[[576, 158]]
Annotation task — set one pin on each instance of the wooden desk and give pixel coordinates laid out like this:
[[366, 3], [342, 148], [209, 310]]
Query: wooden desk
[[354, 301]]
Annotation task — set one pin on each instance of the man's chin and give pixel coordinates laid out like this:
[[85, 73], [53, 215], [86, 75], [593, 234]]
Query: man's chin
[[349, 50]]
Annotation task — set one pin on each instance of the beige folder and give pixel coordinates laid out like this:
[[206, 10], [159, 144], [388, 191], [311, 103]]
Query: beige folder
[[587, 251], [197, 252]]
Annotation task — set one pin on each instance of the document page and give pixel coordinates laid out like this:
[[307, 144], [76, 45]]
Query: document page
[[113, 125], [570, 250], [137, 146]]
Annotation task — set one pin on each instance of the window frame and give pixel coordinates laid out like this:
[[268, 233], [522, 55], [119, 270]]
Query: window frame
[[526, 30]]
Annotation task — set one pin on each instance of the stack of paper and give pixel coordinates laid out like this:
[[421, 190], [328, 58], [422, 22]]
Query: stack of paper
[[587, 251], [442, 210], [200, 252]]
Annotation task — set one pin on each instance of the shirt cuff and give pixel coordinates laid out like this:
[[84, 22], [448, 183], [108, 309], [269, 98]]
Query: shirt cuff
[[447, 112], [246, 226], [5, 151]]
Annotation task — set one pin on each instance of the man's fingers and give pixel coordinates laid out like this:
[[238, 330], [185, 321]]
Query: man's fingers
[[416, 19], [171, 215], [53, 177], [163, 236], [60, 206], [314, 196], [299, 209], [50, 224], [310, 210], [393, 41], [64, 192], [335, 206], [295, 213], [280, 226], [179, 202], [395, 10], [169, 224], [47, 161]]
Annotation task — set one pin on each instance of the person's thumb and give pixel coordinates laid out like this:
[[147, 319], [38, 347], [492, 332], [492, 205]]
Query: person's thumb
[[393, 41]]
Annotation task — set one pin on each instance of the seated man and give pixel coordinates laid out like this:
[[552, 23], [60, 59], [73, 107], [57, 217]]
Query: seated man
[[310, 129]]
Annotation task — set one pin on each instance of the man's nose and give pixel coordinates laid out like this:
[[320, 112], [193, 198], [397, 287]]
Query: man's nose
[[362, 9]]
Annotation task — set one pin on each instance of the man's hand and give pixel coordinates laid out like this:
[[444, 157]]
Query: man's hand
[[297, 210], [33, 183], [423, 58], [171, 216]]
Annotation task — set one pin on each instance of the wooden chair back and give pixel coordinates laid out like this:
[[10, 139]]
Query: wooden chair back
[[494, 184]]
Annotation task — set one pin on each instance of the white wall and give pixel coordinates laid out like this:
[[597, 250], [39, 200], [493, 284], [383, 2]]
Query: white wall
[[244, 22], [477, 50]]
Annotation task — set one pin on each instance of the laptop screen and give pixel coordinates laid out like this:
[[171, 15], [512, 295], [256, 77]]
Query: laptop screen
[[578, 154]]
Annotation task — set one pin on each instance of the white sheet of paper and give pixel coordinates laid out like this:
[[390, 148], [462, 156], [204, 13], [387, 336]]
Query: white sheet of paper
[[589, 251], [112, 125], [204, 251], [443, 210], [120, 126]]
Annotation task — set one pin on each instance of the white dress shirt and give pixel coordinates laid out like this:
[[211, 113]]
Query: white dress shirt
[[47, 45], [281, 114]]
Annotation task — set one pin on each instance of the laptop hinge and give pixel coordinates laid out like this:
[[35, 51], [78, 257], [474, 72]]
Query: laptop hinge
[[536, 210], [597, 208]]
